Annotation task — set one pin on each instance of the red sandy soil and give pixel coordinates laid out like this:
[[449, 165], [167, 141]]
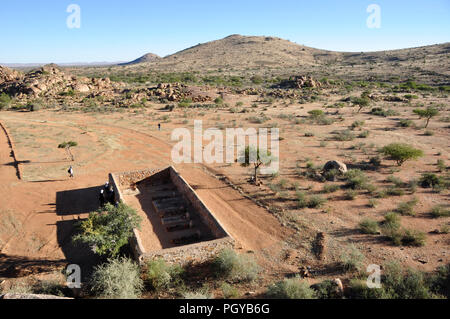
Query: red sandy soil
[[48, 208]]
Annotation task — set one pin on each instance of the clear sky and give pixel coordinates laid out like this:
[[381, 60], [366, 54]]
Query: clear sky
[[113, 30]]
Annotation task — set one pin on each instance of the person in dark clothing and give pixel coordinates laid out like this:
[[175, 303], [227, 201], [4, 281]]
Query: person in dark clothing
[[70, 171], [102, 198], [159, 126]]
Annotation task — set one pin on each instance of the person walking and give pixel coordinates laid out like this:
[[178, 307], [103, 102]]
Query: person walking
[[70, 171]]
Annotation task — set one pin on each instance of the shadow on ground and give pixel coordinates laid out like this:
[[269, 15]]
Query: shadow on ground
[[71, 205]]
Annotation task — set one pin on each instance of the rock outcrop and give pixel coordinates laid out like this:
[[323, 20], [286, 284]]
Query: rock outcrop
[[50, 81]]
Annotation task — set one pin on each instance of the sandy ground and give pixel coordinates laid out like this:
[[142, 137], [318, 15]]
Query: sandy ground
[[46, 203], [48, 207]]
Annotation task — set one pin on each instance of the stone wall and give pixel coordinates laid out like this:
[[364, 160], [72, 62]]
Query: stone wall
[[198, 252], [195, 253], [200, 208], [135, 242]]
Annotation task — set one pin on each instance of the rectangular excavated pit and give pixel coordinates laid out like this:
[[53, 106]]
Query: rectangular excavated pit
[[176, 225]]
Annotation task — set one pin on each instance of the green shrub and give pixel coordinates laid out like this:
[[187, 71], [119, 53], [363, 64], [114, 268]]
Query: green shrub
[[396, 181], [316, 201], [372, 203], [293, 288], [441, 165], [401, 152], [356, 179], [218, 101], [413, 238], [375, 161], [327, 289], [316, 113], [359, 290], [159, 275], [369, 226], [256, 79], [394, 191], [406, 123], [407, 208], [20, 286], [229, 291], [108, 229], [352, 259], [117, 279], [440, 211], [430, 180], [330, 188], [350, 194], [302, 200], [364, 134], [391, 221], [440, 282], [384, 113], [332, 174], [201, 295], [5, 101], [228, 264], [357, 124], [50, 287], [401, 284], [345, 135]]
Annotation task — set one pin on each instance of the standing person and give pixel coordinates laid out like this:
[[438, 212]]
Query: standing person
[[70, 171], [159, 126], [102, 198]]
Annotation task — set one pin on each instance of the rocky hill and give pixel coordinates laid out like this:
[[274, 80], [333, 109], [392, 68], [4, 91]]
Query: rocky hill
[[149, 57], [239, 54], [51, 81]]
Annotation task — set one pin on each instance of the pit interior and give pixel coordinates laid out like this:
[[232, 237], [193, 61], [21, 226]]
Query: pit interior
[[172, 214]]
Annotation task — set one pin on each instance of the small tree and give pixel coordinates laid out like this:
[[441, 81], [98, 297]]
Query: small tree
[[361, 102], [67, 146], [108, 229], [401, 152], [428, 114], [5, 101], [257, 157]]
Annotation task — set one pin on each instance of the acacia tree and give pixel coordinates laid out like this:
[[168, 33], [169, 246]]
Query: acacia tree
[[401, 152], [428, 113], [108, 229], [67, 146], [257, 157], [361, 102]]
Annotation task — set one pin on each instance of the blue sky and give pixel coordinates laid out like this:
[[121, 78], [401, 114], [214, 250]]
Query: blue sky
[[36, 31]]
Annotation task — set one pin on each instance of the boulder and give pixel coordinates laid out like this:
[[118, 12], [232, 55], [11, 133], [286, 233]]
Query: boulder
[[341, 167], [339, 287]]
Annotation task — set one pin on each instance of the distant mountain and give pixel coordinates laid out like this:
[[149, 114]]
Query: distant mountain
[[268, 56], [72, 64], [149, 57]]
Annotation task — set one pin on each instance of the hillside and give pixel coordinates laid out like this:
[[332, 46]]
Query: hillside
[[149, 57], [238, 55]]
